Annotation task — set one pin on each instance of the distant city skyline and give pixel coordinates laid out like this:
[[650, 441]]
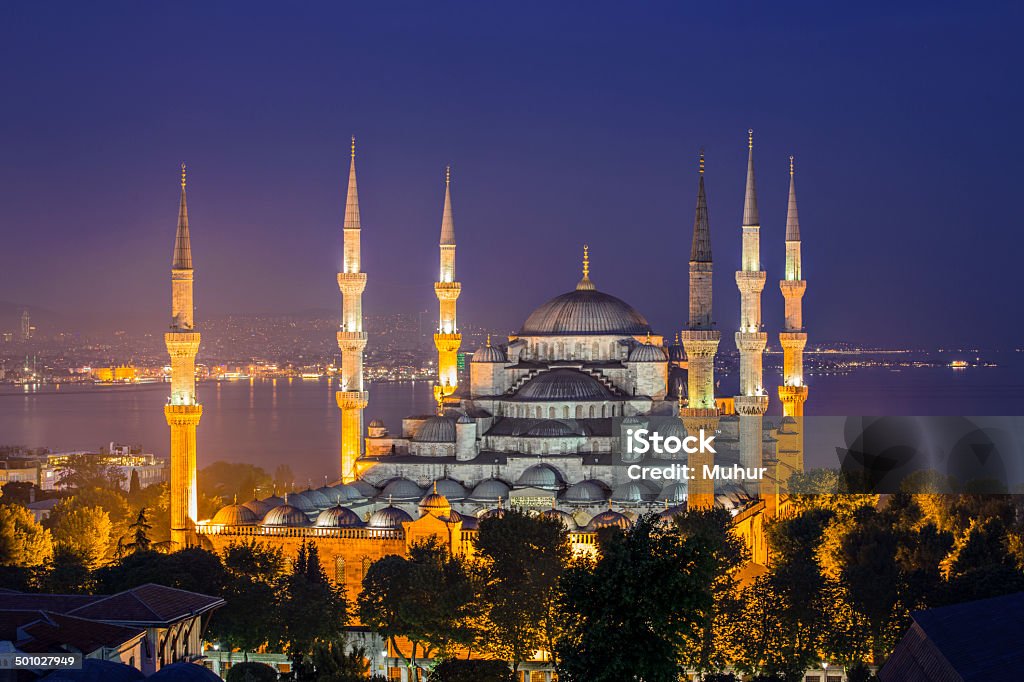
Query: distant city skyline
[[563, 127]]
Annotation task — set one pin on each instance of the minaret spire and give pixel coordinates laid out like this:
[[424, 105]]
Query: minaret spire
[[447, 340], [351, 398], [183, 410], [182, 243], [793, 339], [752, 401], [700, 341]]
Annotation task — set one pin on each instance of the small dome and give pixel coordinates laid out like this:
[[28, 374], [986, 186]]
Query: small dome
[[319, 500], [450, 488], [388, 518], [437, 429], [489, 353], [676, 353], [632, 492], [235, 515], [632, 420], [565, 517], [258, 507], [333, 494], [300, 501], [376, 424], [183, 672], [465, 419], [285, 515], [563, 384], [338, 517], [97, 669], [490, 490], [585, 492], [608, 519], [364, 489], [274, 500], [402, 489], [668, 427], [435, 504], [673, 493], [541, 476], [669, 514], [647, 352]]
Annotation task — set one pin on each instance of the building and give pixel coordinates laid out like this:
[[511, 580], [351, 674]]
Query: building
[[146, 627], [127, 459], [539, 425], [969, 642], [26, 326]]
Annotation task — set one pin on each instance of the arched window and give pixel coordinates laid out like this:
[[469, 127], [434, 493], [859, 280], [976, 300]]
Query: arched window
[[551, 412], [596, 350], [579, 411], [339, 570], [591, 412]]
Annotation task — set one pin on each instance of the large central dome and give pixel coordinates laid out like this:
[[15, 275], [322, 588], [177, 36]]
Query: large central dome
[[585, 311]]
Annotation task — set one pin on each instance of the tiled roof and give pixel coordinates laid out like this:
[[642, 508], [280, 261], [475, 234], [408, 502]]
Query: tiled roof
[[55, 631], [150, 604]]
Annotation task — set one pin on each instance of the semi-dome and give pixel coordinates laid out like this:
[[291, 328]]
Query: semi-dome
[[585, 492], [258, 507], [450, 488], [300, 501], [565, 517], [389, 517], [286, 515], [235, 515], [338, 517], [608, 519], [402, 489], [632, 492], [553, 428], [585, 311], [490, 490], [541, 476], [646, 352], [564, 384], [437, 429], [319, 500], [673, 493]]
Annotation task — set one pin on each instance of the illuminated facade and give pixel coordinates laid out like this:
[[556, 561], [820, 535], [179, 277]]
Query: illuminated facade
[[183, 410], [447, 339], [352, 396]]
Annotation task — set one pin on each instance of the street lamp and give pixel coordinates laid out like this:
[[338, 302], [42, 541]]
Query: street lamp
[[824, 667]]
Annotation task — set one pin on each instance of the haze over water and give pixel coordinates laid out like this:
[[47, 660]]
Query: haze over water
[[298, 423]]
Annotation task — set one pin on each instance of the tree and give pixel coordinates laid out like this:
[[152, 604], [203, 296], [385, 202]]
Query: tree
[[250, 618], [456, 670], [67, 573], [134, 485], [332, 663], [226, 480], [722, 553], [387, 603], [139, 534], [630, 611], [23, 542], [251, 671], [312, 609], [84, 531], [81, 472], [522, 560]]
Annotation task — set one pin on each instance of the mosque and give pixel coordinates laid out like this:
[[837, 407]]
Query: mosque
[[539, 425]]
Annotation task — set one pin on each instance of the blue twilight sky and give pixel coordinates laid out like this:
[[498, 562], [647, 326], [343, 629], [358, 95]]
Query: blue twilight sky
[[564, 123]]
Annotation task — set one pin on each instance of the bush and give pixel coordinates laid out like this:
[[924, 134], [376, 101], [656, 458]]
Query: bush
[[472, 671], [251, 671], [860, 672]]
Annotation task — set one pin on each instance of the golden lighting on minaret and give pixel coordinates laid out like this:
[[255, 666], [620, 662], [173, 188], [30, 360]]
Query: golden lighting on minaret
[[352, 397], [182, 410], [793, 339], [447, 340]]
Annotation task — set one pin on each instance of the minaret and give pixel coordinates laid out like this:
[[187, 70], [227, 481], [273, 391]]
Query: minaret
[[351, 338], [793, 392], [700, 341], [752, 401], [182, 410], [447, 339]]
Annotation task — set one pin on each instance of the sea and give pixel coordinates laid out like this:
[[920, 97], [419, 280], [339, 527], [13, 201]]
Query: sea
[[296, 421]]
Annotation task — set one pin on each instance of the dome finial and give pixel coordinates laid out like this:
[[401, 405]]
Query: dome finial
[[435, 487], [500, 502], [353, 146], [585, 283], [750, 138], [448, 175], [702, 162], [488, 340], [183, 176], [791, 164]]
